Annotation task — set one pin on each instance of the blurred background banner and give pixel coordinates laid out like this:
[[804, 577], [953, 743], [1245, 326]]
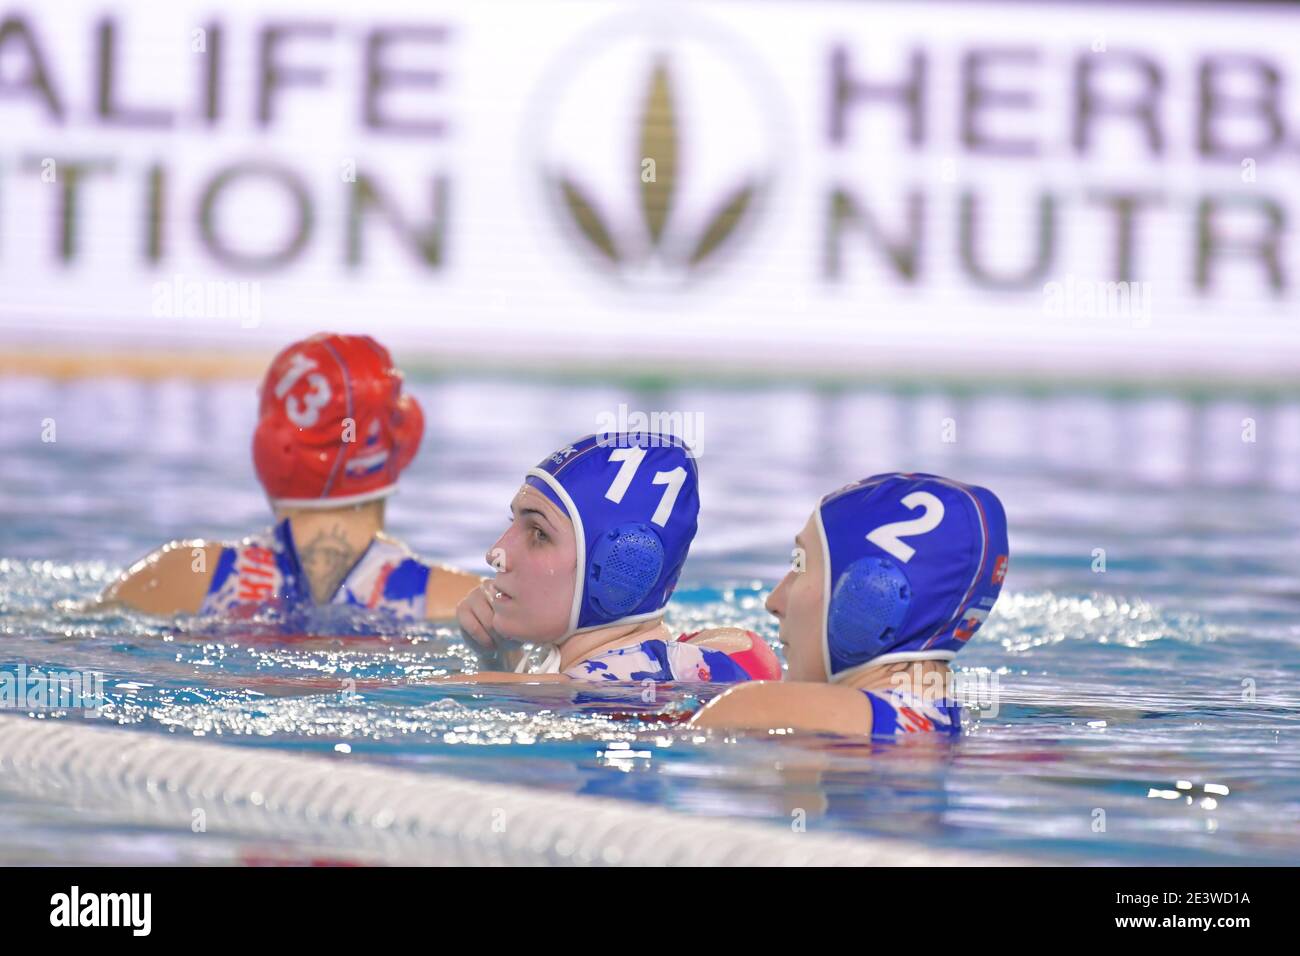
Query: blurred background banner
[[903, 190]]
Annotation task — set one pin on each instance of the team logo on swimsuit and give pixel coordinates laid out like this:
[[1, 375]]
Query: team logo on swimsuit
[[910, 722], [655, 204]]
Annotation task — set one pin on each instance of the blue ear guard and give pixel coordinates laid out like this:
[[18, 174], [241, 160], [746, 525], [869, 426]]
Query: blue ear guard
[[624, 565], [868, 605]]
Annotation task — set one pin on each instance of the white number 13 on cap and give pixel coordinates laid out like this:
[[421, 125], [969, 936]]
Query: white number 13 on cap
[[887, 536], [631, 459], [307, 413]]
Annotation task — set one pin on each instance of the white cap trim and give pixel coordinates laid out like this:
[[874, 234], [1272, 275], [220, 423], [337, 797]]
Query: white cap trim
[[826, 592], [324, 504]]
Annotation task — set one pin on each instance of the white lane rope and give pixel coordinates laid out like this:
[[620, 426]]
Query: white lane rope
[[385, 815]]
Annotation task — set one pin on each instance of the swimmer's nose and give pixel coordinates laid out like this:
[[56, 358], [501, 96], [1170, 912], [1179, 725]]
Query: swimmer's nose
[[775, 602], [496, 556]]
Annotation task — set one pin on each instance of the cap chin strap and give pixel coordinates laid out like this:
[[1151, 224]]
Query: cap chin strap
[[826, 593], [549, 666], [325, 504], [630, 619]]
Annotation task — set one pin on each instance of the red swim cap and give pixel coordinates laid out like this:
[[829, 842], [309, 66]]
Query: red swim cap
[[334, 427]]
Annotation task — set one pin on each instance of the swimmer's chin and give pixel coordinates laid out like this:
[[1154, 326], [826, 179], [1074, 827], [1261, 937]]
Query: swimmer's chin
[[511, 621], [501, 624]]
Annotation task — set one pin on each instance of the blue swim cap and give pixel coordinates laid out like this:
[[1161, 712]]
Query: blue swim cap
[[633, 499], [914, 563]]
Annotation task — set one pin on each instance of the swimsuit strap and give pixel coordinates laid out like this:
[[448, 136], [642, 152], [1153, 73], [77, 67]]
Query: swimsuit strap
[[896, 712], [264, 569]]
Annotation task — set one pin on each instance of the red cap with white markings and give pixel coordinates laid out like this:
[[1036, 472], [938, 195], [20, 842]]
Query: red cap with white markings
[[334, 427]]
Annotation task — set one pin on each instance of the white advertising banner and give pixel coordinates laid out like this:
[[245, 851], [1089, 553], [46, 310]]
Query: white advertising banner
[[906, 189]]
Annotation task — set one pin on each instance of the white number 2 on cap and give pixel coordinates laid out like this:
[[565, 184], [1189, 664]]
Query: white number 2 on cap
[[887, 536], [631, 459]]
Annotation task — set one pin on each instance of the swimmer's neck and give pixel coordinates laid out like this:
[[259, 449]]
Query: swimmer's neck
[[330, 541], [581, 646], [912, 676]]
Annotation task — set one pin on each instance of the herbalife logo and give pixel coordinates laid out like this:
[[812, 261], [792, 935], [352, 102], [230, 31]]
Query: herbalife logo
[[658, 151]]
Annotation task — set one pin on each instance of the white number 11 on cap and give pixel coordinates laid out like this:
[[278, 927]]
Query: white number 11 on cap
[[631, 459]]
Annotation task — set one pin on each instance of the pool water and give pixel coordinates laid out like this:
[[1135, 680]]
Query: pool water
[[1144, 656]]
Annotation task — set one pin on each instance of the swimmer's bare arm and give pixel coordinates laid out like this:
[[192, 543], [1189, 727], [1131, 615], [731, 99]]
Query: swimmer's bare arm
[[772, 705], [725, 639], [447, 587], [172, 580]]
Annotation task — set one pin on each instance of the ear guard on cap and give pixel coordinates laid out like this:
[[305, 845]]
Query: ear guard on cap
[[625, 563], [867, 609]]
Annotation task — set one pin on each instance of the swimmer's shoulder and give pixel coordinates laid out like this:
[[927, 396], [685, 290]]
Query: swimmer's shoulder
[[775, 705], [446, 586], [726, 639], [172, 579]]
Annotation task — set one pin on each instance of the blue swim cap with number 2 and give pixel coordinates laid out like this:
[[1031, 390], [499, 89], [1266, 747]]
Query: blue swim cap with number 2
[[914, 564], [633, 500]]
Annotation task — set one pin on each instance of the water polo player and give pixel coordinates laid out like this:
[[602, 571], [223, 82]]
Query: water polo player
[[598, 535], [891, 577], [334, 433]]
